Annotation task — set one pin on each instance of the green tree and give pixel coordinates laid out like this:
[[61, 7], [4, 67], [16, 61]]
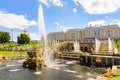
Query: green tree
[[4, 37], [117, 45], [23, 39]]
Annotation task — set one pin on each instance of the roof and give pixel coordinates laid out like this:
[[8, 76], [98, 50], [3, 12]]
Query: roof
[[57, 32], [71, 30], [89, 28], [103, 27]]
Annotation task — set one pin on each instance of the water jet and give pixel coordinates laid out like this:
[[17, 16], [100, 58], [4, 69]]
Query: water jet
[[40, 58]]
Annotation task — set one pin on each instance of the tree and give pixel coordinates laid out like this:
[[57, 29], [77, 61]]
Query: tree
[[23, 39], [4, 37]]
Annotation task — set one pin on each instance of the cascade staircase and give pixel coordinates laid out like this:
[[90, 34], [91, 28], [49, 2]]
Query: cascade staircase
[[104, 48]]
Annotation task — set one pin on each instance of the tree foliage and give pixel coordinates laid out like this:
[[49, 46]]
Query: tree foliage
[[23, 39], [4, 37], [117, 45]]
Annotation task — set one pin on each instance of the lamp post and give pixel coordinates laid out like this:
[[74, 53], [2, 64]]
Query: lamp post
[[12, 35]]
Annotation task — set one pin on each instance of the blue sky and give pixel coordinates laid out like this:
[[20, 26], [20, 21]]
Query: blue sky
[[59, 15]]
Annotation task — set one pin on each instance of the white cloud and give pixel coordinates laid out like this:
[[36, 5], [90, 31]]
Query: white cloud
[[76, 2], [53, 2], [14, 21], [99, 6], [44, 2], [34, 36], [103, 22], [96, 23], [106, 17], [116, 21], [57, 23], [57, 3], [74, 10], [63, 28]]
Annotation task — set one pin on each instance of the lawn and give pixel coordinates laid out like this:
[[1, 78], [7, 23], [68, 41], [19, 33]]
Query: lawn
[[25, 46], [11, 44], [11, 53], [17, 53], [115, 78]]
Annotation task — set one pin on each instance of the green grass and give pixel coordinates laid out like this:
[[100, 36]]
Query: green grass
[[11, 44], [17, 53], [10, 53], [117, 45], [118, 71], [114, 78], [31, 44], [25, 46], [34, 44]]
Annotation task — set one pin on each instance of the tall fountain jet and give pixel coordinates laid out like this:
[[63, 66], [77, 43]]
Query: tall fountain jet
[[97, 45], [109, 45], [76, 46], [41, 25], [48, 58]]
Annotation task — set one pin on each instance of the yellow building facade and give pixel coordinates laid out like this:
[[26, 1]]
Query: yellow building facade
[[101, 33], [86, 37]]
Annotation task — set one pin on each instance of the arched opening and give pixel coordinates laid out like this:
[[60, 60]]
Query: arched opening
[[81, 48], [85, 49], [72, 48]]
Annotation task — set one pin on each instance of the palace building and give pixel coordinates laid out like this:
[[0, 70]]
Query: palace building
[[87, 36], [101, 33]]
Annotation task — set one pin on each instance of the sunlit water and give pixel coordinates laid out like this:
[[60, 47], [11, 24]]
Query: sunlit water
[[109, 45], [48, 56], [60, 72], [76, 46], [97, 44]]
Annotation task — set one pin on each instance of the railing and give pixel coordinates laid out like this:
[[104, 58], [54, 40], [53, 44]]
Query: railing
[[69, 55]]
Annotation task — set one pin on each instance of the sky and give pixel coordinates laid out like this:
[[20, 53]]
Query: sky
[[59, 15]]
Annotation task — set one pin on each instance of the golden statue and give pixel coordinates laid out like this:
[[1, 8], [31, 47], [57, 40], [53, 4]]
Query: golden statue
[[108, 73]]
